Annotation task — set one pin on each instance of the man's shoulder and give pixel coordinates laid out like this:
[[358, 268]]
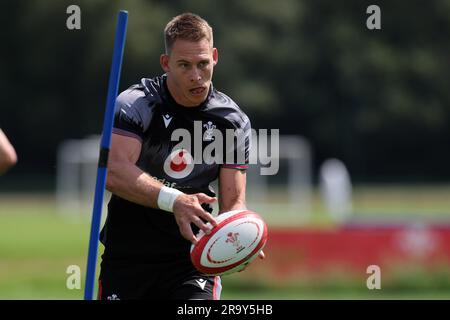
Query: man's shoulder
[[223, 106], [146, 92]]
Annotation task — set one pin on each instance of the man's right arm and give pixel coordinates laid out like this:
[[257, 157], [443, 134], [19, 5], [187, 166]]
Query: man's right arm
[[128, 181], [8, 156], [124, 178]]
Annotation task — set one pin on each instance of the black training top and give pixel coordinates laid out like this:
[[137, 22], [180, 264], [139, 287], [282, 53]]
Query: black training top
[[148, 112]]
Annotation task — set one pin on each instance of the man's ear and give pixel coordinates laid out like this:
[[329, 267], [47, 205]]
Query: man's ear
[[215, 56], [164, 61]]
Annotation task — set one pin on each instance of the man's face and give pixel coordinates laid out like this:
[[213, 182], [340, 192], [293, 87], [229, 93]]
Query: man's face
[[189, 69]]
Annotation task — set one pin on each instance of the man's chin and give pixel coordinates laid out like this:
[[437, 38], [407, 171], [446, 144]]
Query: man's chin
[[196, 100]]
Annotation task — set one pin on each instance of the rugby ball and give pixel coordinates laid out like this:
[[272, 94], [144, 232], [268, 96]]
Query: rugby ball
[[236, 241]]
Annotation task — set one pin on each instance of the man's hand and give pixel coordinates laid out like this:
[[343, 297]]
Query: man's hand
[[261, 255], [187, 209]]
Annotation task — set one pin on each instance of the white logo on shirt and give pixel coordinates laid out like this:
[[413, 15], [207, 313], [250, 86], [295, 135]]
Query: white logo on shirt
[[167, 118], [209, 131], [201, 283]]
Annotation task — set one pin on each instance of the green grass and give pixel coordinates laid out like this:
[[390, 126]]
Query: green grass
[[329, 294], [415, 283], [37, 245]]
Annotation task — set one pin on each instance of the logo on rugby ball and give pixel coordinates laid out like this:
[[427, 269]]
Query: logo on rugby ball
[[233, 239], [179, 164]]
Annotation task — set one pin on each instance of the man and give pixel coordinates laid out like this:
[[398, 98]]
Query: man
[[161, 197], [8, 156]]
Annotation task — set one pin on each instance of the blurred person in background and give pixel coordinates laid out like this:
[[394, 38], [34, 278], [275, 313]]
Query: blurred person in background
[[8, 156]]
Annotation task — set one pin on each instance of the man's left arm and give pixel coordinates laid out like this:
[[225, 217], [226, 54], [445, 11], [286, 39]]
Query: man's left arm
[[232, 184], [231, 189]]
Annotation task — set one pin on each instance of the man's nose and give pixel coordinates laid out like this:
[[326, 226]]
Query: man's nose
[[195, 75]]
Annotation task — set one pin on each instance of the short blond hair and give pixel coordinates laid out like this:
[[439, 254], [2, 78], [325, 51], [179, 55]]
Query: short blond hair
[[187, 26]]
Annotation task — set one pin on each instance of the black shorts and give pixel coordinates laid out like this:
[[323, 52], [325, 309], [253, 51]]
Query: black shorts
[[165, 281]]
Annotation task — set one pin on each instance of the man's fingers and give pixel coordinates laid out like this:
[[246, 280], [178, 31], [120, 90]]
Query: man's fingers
[[199, 223], [187, 233], [262, 255], [203, 198], [207, 216]]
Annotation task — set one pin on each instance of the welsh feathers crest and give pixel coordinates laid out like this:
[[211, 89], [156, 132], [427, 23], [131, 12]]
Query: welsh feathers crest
[[209, 126]]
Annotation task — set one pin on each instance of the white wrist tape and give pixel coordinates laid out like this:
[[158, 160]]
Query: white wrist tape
[[167, 197]]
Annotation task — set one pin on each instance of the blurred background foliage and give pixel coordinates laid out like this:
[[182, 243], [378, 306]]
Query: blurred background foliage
[[378, 100]]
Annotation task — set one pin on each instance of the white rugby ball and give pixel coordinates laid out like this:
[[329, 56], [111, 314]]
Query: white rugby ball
[[236, 241]]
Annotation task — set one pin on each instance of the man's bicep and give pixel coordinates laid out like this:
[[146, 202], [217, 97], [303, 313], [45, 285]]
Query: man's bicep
[[124, 149], [232, 183]]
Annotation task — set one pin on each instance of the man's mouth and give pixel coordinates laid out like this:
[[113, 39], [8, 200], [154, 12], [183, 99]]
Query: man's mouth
[[197, 90]]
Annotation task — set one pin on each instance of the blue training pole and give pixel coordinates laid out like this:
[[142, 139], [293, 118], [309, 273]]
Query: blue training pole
[[113, 86]]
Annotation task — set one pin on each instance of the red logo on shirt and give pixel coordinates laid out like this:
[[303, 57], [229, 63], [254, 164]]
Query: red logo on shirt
[[179, 164]]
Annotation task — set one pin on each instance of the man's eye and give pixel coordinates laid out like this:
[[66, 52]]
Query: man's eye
[[183, 65], [202, 64]]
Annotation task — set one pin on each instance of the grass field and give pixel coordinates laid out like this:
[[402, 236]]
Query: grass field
[[37, 245]]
